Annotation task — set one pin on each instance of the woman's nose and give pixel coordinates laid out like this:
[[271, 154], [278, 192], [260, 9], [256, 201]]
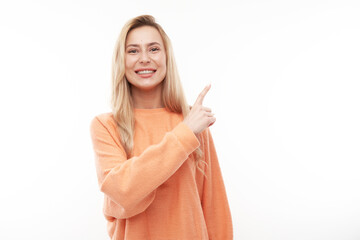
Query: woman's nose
[[144, 57]]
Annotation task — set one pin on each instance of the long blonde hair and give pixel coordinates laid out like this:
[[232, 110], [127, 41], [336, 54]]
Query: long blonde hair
[[121, 101]]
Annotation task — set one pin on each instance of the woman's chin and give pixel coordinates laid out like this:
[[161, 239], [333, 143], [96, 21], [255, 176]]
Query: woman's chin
[[146, 87]]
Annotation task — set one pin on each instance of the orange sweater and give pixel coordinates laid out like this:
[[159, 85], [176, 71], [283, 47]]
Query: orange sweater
[[157, 194]]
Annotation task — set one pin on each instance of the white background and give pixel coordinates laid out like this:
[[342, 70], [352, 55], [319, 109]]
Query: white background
[[285, 91]]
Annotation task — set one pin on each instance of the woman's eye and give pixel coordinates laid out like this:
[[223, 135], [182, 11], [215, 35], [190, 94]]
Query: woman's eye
[[132, 51], [154, 49]]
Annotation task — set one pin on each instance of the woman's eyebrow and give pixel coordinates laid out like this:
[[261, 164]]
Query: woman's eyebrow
[[137, 45]]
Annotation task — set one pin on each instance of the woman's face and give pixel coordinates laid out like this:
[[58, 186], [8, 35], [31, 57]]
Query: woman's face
[[145, 58]]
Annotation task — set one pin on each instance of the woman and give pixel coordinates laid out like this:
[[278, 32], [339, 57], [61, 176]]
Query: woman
[[155, 158]]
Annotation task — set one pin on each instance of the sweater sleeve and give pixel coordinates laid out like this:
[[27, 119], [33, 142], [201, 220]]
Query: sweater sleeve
[[131, 183], [214, 200]]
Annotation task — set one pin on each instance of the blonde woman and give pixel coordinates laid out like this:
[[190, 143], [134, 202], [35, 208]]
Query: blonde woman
[[155, 157]]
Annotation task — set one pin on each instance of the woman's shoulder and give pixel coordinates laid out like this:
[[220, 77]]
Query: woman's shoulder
[[106, 119]]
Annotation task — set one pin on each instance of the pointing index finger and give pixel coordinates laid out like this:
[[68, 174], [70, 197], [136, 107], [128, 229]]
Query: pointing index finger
[[201, 96]]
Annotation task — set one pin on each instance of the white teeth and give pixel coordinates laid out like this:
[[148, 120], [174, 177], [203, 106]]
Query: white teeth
[[145, 72]]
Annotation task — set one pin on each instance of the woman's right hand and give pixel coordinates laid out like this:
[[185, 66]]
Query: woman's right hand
[[200, 117]]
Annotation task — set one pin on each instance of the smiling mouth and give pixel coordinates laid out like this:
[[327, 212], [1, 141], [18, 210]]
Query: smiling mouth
[[145, 72]]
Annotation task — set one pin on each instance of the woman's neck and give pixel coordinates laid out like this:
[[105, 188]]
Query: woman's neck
[[147, 99]]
